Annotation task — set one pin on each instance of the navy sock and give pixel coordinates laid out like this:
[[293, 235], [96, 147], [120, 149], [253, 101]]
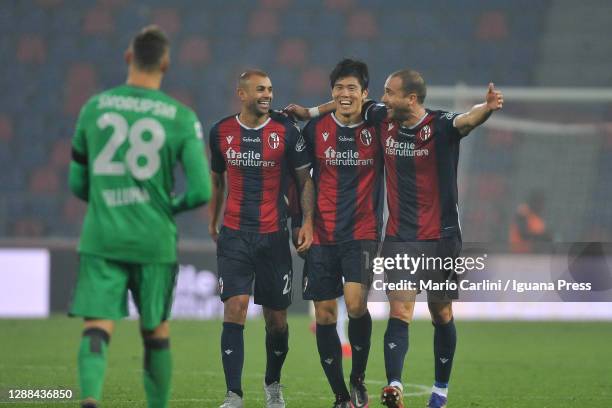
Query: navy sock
[[396, 347], [277, 346], [232, 355], [359, 333], [445, 341], [330, 352]]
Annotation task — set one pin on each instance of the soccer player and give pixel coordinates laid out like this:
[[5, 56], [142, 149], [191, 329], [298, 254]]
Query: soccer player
[[348, 171], [127, 142], [256, 152], [421, 152]]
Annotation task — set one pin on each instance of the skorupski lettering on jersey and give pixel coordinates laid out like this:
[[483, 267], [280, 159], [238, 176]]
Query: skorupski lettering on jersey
[[139, 105]]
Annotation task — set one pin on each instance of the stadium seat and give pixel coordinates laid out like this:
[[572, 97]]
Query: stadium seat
[[167, 18], [98, 21], [44, 180], [362, 24], [492, 25], [31, 49], [263, 23], [314, 81], [6, 129], [195, 51], [292, 52]]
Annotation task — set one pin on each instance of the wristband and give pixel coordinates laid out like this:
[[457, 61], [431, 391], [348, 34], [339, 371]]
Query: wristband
[[314, 112]]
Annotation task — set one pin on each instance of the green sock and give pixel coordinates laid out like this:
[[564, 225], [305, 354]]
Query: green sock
[[92, 362], [157, 372]]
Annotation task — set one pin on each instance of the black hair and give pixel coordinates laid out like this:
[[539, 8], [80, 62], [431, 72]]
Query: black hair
[[351, 68], [148, 47]]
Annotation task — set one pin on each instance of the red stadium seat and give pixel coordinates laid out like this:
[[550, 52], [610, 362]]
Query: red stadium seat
[[74, 209], [81, 83], [31, 49], [6, 128], [44, 180], [28, 227], [314, 81], [195, 51], [362, 25], [98, 21], [339, 4], [60, 153], [183, 96], [492, 25], [292, 53], [274, 4], [168, 19], [263, 23]]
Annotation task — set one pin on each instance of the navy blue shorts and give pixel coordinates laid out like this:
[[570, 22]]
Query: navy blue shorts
[[328, 267], [444, 248], [247, 259]]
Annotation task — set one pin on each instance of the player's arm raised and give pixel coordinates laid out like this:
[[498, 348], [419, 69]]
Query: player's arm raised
[[479, 113], [217, 164], [195, 166]]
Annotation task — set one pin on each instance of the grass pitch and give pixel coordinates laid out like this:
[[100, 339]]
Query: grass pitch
[[500, 364]]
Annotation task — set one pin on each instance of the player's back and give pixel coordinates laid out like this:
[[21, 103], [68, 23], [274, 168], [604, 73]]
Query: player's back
[[133, 138]]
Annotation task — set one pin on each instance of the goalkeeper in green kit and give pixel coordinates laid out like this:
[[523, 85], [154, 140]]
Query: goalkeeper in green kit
[[127, 142]]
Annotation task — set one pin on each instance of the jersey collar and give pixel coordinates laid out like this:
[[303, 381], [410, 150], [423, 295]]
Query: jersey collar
[[354, 125], [255, 128]]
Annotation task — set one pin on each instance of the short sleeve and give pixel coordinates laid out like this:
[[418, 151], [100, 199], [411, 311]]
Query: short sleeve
[[373, 113], [447, 121], [217, 163], [297, 150]]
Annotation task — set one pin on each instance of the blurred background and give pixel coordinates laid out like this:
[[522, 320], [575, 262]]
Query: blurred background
[[538, 171]]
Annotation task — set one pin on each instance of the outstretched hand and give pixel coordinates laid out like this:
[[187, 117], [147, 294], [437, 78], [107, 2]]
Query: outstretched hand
[[297, 111], [494, 98]]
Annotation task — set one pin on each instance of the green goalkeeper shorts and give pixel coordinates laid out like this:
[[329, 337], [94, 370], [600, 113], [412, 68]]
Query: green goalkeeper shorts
[[102, 286]]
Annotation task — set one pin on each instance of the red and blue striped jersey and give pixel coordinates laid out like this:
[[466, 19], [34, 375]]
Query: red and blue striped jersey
[[348, 177], [258, 162], [421, 174]]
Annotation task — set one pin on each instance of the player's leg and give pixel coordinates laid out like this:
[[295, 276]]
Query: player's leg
[[356, 259], [395, 344], [100, 298], [445, 341], [445, 333], [273, 290], [341, 327], [92, 359], [152, 287], [236, 273]]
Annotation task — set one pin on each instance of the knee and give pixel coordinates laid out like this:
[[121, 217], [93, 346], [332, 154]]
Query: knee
[[441, 313], [326, 314], [276, 321], [356, 308], [160, 332], [401, 311], [235, 309]]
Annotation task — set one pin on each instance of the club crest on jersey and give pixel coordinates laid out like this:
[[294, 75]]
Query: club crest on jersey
[[229, 139], [325, 136], [425, 133], [300, 145], [366, 137], [273, 140]]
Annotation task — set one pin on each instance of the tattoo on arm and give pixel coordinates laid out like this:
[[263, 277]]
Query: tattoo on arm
[[307, 194]]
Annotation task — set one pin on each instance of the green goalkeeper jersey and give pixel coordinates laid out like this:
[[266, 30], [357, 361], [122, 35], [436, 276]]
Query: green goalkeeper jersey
[[125, 148]]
